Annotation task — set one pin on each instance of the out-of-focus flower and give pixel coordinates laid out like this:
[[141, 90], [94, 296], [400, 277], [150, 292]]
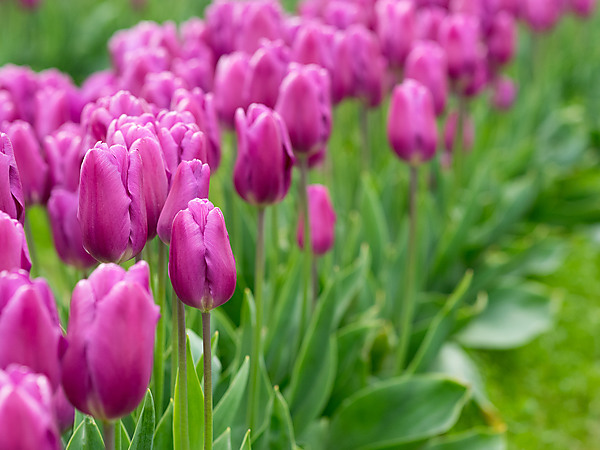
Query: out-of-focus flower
[[321, 219], [159, 88], [15, 253], [268, 66], [505, 92], [427, 64], [501, 39], [541, 15], [459, 34], [396, 29], [11, 190], [450, 129], [260, 19], [230, 78], [65, 154]]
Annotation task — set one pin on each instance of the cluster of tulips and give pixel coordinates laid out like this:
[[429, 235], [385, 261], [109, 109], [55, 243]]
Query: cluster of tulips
[[127, 157]]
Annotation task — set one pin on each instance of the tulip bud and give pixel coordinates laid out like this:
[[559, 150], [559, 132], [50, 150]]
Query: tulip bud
[[112, 210], [159, 87], [262, 19], [11, 190], [221, 26], [305, 106], [321, 218], [468, 134], [65, 154], [502, 38], [66, 232], [22, 83], [191, 180], [505, 92], [230, 77], [428, 22], [141, 62], [313, 44], [15, 253], [196, 71], [427, 64], [459, 36], [583, 8], [541, 15], [112, 323], [263, 168], [396, 29], [26, 415], [201, 263], [268, 67], [411, 126]]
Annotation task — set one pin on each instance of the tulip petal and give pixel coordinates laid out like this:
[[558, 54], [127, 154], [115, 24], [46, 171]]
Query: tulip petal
[[220, 273]]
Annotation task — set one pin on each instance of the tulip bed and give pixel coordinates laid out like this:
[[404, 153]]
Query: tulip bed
[[441, 213]]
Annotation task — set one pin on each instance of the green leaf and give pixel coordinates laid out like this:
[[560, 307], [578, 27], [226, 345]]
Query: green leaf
[[246, 442], [229, 404], [397, 411], [163, 436], [144, 430], [86, 436], [247, 325], [374, 220], [223, 442], [195, 406], [280, 432], [514, 316], [471, 440]]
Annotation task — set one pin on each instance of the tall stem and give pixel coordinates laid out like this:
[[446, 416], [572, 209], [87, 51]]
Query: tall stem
[[31, 245], [458, 152], [303, 195], [174, 307], [208, 406], [182, 374], [109, 435], [408, 302], [159, 360], [364, 132], [259, 274]]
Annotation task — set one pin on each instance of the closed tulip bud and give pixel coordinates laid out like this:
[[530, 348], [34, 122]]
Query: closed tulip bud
[[342, 15], [201, 263], [305, 106], [230, 78], [221, 26], [196, 71], [261, 19], [396, 29], [313, 44], [342, 77], [321, 219], [30, 333], [427, 64], [141, 62], [11, 190], [411, 126], [263, 168], [51, 111], [505, 92], [159, 88], [191, 180], [268, 67], [15, 253], [112, 210], [112, 324], [32, 165], [583, 8], [541, 15], [368, 66], [66, 232], [21, 83], [477, 79], [468, 134], [428, 22], [501, 39], [65, 413], [65, 154], [26, 415], [459, 35]]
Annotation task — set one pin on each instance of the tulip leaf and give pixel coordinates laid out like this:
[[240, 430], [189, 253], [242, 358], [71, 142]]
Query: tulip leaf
[[86, 436], [396, 412], [280, 432], [246, 442], [229, 404], [122, 440], [163, 436], [376, 231], [144, 430], [223, 442], [195, 409], [470, 440], [247, 325]]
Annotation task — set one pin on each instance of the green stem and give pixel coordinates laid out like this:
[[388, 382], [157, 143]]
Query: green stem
[[364, 132], [407, 309], [259, 274], [109, 435], [182, 374], [303, 195], [174, 306], [208, 406], [458, 152], [159, 360], [31, 246]]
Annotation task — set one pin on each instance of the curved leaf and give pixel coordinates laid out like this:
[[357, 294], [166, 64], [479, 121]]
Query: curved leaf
[[86, 436], [144, 430]]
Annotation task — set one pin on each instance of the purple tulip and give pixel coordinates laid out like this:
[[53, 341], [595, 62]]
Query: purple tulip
[[30, 333], [505, 92], [66, 231], [112, 323], [583, 8], [21, 83], [342, 14], [191, 180], [196, 71], [313, 44], [52, 109], [428, 22], [268, 67], [541, 15], [159, 88], [427, 64], [98, 85], [322, 220], [11, 190], [501, 39], [221, 26], [65, 154], [201, 264], [459, 36], [15, 253], [305, 106], [8, 110], [411, 126], [450, 132], [230, 78], [261, 19], [263, 168], [65, 413], [396, 29], [26, 414], [112, 211]]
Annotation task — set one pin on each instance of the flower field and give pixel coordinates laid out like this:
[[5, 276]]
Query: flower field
[[324, 224]]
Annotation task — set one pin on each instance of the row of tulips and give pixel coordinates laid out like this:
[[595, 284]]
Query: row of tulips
[[129, 155]]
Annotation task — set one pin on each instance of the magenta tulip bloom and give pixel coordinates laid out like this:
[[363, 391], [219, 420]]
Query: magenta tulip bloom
[[313, 44], [396, 29], [11, 190], [411, 126], [541, 15], [322, 220], [268, 67], [450, 132], [505, 92], [26, 414], [260, 20], [66, 232], [112, 322], [221, 25], [427, 64], [159, 88], [201, 263], [428, 22], [65, 154], [304, 104], [191, 180], [15, 253], [263, 168], [112, 211], [230, 78], [583, 8], [30, 333], [459, 35], [501, 39]]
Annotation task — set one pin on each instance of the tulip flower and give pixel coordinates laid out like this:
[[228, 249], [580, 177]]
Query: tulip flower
[[505, 92], [459, 34], [30, 333], [112, 322], [268, 67], [21, 83], [583, 8], [501, 39], [263, 169], [15, 253], [191, 180], [65, 154], [11, 190], [112, 211], [541, 15], [230, 77], [159, 87], [428, 22], [261, 20], [450, 129], [66, 232], [221, 25], [313, 44], [139, 64], [322, 220], [26, 414], [396, 29], [427, 64]]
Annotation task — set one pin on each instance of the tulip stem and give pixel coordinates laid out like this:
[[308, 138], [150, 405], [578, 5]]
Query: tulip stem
[[182, 376], [303, 194], [208, 406], [458, 152], [31, 245], [174, 306], [159, 375], [364, 131], [259, 274], [109, 435], [407, 309]]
